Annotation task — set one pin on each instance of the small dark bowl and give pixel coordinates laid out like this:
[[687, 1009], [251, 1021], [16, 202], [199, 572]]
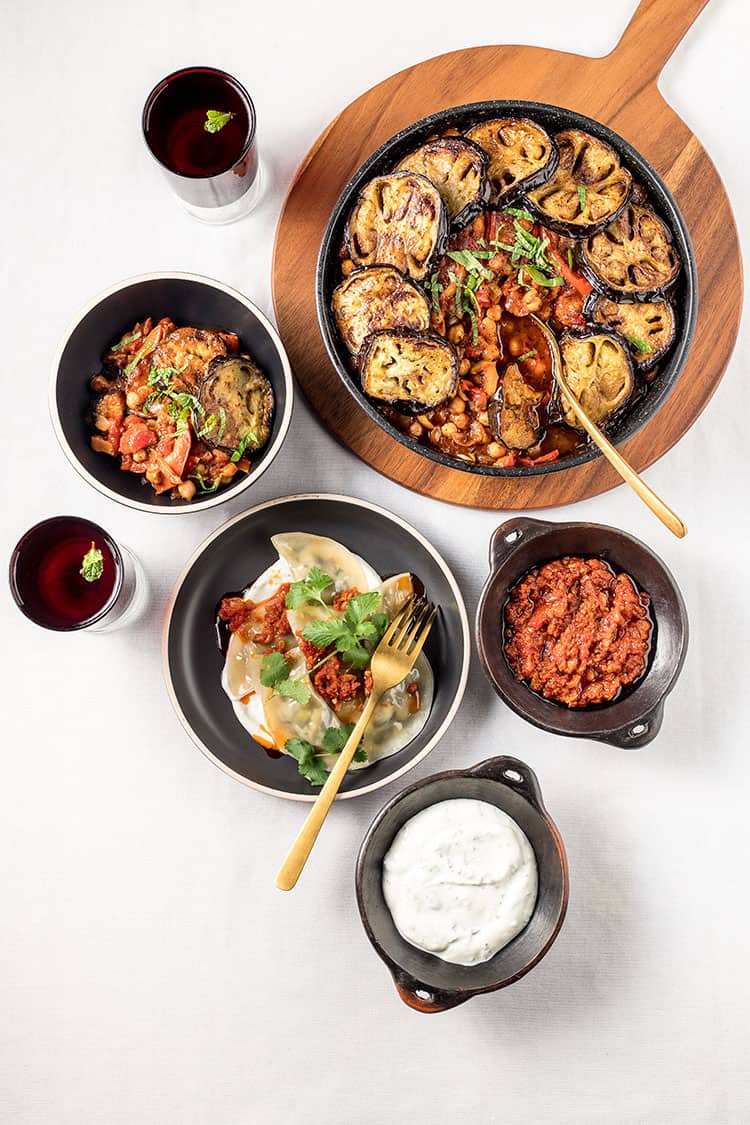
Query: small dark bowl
[[235, 555], [423, 981], [634, 718], [554, 119], [188, 300]]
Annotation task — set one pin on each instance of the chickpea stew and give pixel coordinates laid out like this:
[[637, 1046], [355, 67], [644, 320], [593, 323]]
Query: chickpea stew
[[180, 407], [419, 273]]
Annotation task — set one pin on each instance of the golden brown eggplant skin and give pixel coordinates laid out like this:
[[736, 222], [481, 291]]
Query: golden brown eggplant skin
[[634, 258], [398, 220], [241, 400], [588, 190], [458, 169], [649, 323], [375, 298], [521, 154], [412, 371], [600, 372]]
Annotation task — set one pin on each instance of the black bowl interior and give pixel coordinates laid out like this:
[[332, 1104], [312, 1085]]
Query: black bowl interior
[[233, 558], [187, 301], [416, 970], [633, 719], [554, 119]]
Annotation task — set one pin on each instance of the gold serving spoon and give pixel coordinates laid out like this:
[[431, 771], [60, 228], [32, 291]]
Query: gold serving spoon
[[392, 660], [669, 518]]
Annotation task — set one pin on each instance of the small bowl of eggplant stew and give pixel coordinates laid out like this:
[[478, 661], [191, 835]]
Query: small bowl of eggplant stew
[[581, 629], [460, 226], [171, 392]]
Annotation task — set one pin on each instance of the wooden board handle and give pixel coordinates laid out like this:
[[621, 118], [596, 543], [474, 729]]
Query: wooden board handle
[[651, 37]]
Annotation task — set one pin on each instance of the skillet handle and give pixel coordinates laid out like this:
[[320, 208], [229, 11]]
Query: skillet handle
[[424, 999], [637, 733], [508, 535], [513, 773]]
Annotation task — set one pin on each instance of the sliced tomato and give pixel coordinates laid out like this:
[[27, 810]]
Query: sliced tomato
[[174, 450], [572, 278], [136, 435]]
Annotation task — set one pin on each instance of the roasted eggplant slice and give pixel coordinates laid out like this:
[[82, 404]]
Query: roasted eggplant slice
[[521, 154], [515, 420], [649, 327], [458, 169], [375, 298], [588, 190], [398, 220], [413, 371], [238, 402], [599, 370], [634, 257]]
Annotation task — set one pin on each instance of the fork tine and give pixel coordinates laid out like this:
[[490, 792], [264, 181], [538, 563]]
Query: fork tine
[[414, 626], [405, 623], [398, 620], [421, 637]]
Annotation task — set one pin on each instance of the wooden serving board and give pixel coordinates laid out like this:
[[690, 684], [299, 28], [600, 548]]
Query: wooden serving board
[[619, 90]]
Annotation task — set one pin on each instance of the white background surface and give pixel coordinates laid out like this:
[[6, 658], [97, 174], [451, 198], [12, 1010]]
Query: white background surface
[[149, 971]]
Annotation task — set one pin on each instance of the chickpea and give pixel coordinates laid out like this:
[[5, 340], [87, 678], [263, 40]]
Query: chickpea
[[488, 328], [532, 300], [491, 352], [133, 400], [228, 472], [483, 417], [346, 268], [494, 312], [140, 456], [153, 476], [186, 490], [435, 435], [464, 367], [515, 346], [494, 450], [490, 378], [457, 405], [424, 421], [450, 428], [460, 421], [456, 333], [496, 263], [415, 430]]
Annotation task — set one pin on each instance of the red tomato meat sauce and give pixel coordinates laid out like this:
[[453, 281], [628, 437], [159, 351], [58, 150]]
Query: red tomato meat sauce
[[577, 632]]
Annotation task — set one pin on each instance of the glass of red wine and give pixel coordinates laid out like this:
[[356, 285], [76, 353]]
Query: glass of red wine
[[67, 573], [199, 123]]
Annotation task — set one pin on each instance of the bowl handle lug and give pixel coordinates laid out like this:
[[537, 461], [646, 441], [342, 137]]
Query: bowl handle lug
[[422, 998], [510, 534], [517, 775], [637, 733]]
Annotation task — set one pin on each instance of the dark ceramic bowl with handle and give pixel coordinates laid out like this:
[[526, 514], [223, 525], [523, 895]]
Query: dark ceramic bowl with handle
[[634, 718], [554, 119], [426, 982], [187, 299]]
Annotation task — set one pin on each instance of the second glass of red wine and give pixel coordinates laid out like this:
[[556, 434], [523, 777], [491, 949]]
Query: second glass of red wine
[[199, 123]]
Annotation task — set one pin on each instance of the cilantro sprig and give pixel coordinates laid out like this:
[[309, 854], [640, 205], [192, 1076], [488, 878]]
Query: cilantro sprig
[[274, 674], [356, 634], [310, 758], [309, 589]]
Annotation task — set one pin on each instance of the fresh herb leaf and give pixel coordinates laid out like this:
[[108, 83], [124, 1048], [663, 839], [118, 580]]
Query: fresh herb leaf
[[309, 589], [570, 258], [144, 348], [527, 355], [469, 259], [435, 291], [248, 438], [542, 279], [336, 738], [216, 119], [519, 213], [92, 566], [354, 653], [360, 607], [292, 689], [123, 343], [639, 344], [308, 761], [323, 634], [474, 327], [274, 674], [203, 485], [582, 196]]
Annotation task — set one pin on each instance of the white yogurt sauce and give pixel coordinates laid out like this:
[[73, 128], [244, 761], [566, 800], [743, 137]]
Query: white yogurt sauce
[[460, 880]]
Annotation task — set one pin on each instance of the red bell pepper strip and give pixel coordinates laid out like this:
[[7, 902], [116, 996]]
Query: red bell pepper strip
[[579, 283]]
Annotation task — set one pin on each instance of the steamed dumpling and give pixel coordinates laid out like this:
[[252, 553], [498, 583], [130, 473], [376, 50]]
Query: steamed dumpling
[[303, 551]]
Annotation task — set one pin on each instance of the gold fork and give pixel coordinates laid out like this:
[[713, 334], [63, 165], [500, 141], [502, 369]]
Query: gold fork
[[392, 660]]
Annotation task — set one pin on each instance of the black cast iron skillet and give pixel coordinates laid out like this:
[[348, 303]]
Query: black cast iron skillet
[[426, 982], [553, 119], [634, 718], [229, 560]]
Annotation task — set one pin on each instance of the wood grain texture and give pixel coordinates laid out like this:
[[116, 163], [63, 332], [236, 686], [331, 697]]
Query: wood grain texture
[[618, 90]]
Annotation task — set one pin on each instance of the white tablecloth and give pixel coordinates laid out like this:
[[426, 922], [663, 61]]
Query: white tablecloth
[[150, 973]]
